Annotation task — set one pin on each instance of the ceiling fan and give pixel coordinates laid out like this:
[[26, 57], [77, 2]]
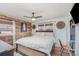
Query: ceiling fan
[[33, 17]]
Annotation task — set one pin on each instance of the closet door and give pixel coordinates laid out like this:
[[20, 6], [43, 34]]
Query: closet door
[[72, 39]]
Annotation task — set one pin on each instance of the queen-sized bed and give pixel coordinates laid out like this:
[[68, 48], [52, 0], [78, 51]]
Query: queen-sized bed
[[39, 44]]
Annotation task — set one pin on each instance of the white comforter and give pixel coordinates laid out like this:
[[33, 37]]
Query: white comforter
[[43, 44], [4, 46]]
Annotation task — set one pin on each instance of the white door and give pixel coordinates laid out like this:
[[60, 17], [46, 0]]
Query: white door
[[77, 40]]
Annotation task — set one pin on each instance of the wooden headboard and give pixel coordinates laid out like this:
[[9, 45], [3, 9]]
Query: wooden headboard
[[44, 31]]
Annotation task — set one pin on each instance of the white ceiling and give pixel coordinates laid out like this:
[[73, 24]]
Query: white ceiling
[[47, 10]]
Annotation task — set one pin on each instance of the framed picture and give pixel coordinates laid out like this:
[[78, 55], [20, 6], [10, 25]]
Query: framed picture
[[23, 27]]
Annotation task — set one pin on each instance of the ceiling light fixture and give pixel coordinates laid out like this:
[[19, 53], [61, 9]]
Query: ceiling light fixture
[[33, 18]]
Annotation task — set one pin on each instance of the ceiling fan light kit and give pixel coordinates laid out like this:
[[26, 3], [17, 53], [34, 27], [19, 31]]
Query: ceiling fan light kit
[[33, 19]]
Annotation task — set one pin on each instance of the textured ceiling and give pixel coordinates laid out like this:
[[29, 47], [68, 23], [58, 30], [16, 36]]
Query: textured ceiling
[[47, 10]]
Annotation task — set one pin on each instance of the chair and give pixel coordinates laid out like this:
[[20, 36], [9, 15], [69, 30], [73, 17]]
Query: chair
[[65, 49]]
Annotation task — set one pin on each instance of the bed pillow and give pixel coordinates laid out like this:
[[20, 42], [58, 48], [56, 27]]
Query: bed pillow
[[48, 34]]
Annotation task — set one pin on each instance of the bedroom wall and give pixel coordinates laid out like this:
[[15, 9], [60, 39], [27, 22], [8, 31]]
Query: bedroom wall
[[62, 34], [5, 27], [20, 34]]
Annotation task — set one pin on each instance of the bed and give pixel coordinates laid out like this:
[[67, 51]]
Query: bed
[[6, 49], [40, 44]]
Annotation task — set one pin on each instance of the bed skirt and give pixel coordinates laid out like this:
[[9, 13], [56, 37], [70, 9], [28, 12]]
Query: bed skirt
[[30, 52]]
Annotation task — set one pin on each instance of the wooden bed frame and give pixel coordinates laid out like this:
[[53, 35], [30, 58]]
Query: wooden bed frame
[[25, 51], [29, 51]]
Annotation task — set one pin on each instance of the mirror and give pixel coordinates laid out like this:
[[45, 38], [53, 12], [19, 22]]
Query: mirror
[[23, 27]]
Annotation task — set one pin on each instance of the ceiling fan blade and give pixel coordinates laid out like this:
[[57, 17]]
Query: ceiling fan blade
[[27, 16], [38, 17]]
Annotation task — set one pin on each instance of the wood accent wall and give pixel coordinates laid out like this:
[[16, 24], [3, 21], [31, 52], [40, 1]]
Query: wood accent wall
[[20, 34], [2, 21], [7, 39]]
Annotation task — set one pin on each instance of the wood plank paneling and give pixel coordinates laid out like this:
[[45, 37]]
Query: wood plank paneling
[[20, 34]]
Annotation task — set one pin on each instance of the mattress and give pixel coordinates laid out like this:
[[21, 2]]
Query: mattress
[[4, 46], [43, 44]]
